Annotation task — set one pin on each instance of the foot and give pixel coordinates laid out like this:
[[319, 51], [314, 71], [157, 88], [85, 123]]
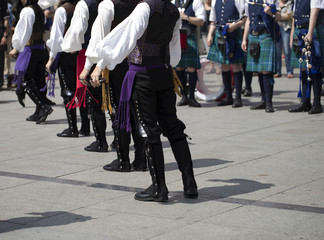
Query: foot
[[302, 107], [34, 117], [277, 75], [210, 71], [113, 144], [269, 108], [247, 93], [260, 105], [190, 193], [226, 102], [96, 147], [237, 103], [21, 97], [183, 101], [67, 133], [118, 166], [84, 133], [43, 114], [289, 75], [138, 167], [147, 195], [193, 103], [316, 110]]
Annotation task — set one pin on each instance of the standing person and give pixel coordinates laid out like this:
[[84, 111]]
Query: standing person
[[65, 63], [261, 37], [4, 34], [226, 48], [308, 16], [285, 31], [152, 44], [30, 65], [192, 14]]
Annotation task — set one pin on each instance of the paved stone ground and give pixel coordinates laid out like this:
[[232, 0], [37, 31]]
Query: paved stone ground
[[260, 177]]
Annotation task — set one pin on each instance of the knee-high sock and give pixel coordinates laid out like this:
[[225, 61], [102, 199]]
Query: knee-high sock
[[268, 82], [238, 80], [227, 81], [182, 75]]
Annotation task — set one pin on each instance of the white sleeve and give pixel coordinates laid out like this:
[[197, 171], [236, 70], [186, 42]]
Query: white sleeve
[[119, 43], [74, 37], [24, 29], [174, 46], [317, 4], [57, 32], [199, 9], [46, 3], [100, 28], [240, 7], [212, 16]]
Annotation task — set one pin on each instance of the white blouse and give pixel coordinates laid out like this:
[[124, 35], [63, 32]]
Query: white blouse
[[120, 42]]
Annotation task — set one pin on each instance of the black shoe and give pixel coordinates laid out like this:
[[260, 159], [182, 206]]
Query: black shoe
[[193, 103], [302, 107], [190, 193], [260, 105], [113, 144], [84, 133], [183, 101], [144, 196], [226, 102], [243, 90], [95, 147], [237, 103], [118, 166], [316, 110], [269, 108], [21, 97], [49, 102], [43, 114], [34, 117], [68, 133], [138, 168], [247, 93]]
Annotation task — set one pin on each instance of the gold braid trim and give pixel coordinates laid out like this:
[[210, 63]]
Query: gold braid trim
[[106, 105], [176, 82]]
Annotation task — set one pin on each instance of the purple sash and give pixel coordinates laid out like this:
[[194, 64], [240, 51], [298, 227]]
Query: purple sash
[[50, 81], [23, 62], [123, 113]]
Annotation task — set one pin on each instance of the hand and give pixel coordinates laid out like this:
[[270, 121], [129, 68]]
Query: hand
[[209, 40], [84, 74], [244, 45], [231, 28], [95, 75], [3, 41], [13, 53], [309, 37], [183, 16], [267, 10], [49, 65]]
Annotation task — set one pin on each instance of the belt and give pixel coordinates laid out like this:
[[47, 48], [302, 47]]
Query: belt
[[256, 33], [302, 26]]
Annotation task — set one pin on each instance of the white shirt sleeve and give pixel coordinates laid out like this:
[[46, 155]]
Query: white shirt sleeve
[[199, 9], [46, 3], [100, 28], [240, 7], [317, 4], [24, 29], [57, 32], [174, 46], [74, 37], [212, 16], [119, 43]]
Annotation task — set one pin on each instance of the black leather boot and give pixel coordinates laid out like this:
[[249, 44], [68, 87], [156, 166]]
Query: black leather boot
[[139, 163], [192, 102], [304, 105], [85, 121], [227, 82], [317, 88], [99, 129], [21, 96], [182, 75], [72, 130], [35, 116]]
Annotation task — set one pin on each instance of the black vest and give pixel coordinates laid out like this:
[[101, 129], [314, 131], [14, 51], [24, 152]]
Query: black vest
[[123, 9], [256, 21], [93, 13], [226, 12], [153, 47], [302, 13], [39, 25], [188, 11]]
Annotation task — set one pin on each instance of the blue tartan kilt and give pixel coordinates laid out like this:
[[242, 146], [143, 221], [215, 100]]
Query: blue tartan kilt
[[294, 58], [267, 59], [190, 57], [215, 55]]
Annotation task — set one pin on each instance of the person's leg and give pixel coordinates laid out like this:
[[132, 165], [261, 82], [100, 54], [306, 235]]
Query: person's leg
[[285, 35], [278, 58], [227, 82], [182, 75], [262, 103], [193, 77], [238, 81]]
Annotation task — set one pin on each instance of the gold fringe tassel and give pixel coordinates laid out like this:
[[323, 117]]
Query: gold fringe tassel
[[176, 82], [106, 104]]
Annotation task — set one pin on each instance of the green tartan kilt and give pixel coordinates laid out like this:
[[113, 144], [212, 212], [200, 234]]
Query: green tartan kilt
[[190, 57], [267, 59], [319, 33], [215, 55]]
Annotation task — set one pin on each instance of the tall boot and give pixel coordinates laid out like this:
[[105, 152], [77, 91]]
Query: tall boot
[[139, 163], [45, 110], [72, 130], [192, 87], [262, 104], [85, 121], [317, 88], [227, 82], [238, 81], [268, 83], [304, 105], [158, 191], [122, 163], [99, 124], [182, 75], [21, 94]]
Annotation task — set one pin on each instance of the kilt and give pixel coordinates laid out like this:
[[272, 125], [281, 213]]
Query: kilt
[[267, 59], [215, 55], [190, 57], [319, 33]]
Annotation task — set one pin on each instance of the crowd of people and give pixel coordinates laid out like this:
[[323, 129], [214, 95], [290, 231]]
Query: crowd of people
[[129, 58]]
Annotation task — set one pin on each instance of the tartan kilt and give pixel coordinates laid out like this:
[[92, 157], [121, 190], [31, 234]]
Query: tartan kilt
[[190, 57], [267, 59], [215, 55]]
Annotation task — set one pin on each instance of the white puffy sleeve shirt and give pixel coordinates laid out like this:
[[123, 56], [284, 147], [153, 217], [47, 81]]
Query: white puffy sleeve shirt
[[197, 7], [317, 4], [100, 28], [24, 29], [119, 43], [239, 4], [74, 36], [57, 32]]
